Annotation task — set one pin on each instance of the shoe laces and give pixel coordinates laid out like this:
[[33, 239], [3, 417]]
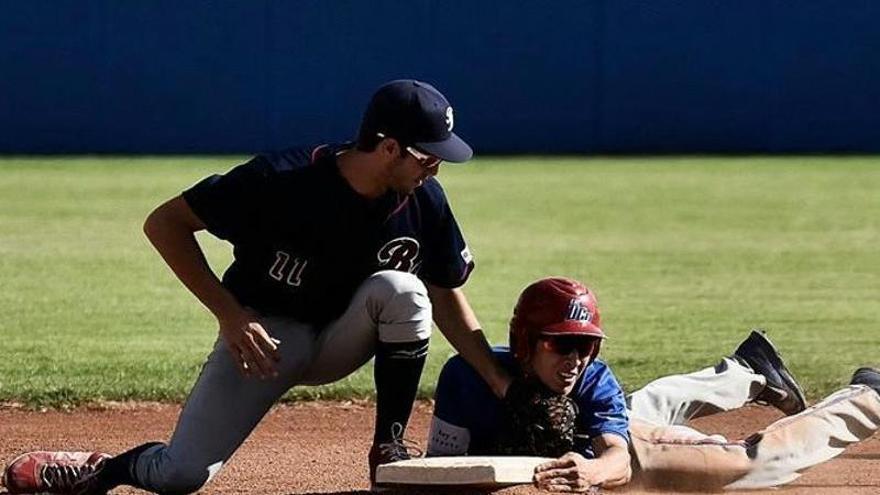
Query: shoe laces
[[399, 448], [69, 477]]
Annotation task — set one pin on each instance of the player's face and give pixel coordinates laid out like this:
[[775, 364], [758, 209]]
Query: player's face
[[558, 361], [412, 169], [407, 167], [429, 163]]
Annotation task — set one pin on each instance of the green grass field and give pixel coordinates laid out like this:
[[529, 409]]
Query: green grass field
[[686, 254]]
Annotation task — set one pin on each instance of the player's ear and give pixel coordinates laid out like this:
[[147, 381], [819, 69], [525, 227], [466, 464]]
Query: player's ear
[[390, 147]]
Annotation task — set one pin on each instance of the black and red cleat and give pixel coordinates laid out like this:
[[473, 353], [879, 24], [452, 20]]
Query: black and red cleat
[[397, 449], [68, 473]]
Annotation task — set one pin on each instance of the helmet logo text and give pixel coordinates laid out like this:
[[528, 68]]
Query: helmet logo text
[[578, 312]]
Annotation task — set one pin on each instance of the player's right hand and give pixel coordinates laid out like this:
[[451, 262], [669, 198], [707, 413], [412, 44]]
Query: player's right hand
[[569, 473], [253, 350]]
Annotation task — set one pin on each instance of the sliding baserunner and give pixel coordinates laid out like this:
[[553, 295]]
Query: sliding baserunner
[[600, 438]]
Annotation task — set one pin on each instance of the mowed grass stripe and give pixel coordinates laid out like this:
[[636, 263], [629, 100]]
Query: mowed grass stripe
[[686, 254]]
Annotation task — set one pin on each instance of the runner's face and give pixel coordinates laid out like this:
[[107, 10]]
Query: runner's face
[[558, 362]]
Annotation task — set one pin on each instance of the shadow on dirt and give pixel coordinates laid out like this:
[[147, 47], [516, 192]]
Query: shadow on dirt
[[359, 492], [412, 491], [871, 455]]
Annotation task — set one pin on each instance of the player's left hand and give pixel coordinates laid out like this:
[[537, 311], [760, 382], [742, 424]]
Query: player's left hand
[[570, 473]]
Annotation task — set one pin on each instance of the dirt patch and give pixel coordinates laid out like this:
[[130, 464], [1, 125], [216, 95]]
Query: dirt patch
[[322, 447]]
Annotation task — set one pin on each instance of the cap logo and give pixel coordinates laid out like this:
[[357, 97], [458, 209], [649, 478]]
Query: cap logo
[[450, 121], [578, 312]]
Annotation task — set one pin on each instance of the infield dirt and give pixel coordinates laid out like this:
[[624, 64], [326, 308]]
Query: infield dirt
[[320, 447]]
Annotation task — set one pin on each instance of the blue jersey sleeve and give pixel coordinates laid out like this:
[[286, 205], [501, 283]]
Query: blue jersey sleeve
[[231, 205], [602, 404], [448, 262]]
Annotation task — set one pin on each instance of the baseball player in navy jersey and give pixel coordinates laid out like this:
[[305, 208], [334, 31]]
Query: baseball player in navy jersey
[[549, 344], [342, 252]]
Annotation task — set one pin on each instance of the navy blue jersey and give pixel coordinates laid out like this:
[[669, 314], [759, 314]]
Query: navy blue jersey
[[304, 240], [463, 399]]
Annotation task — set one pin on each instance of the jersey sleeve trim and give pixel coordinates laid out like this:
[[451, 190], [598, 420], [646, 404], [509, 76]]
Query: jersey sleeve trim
[[202, 210], [316, 153]]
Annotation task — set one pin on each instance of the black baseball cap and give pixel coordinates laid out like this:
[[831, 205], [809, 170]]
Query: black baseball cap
[[415, 114]]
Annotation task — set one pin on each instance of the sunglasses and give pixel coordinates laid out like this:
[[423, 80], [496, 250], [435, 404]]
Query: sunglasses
[[427, 161], [566, 344]]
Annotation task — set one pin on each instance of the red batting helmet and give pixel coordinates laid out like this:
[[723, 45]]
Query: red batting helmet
[[553, 306]]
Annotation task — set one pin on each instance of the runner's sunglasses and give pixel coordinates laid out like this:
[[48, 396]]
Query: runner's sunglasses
[[565, 344]]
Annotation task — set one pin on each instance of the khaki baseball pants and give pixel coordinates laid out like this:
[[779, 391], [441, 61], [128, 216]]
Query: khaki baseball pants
[[672, 455]]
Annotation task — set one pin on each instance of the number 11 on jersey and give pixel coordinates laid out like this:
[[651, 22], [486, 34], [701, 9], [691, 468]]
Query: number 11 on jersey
[[291, 274]]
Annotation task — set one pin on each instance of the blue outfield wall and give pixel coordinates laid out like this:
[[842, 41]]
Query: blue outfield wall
[[564, 76]]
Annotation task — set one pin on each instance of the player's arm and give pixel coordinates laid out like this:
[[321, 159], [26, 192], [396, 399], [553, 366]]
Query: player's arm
[[614, 459], [575, 473], [171, 228], [458, 323]]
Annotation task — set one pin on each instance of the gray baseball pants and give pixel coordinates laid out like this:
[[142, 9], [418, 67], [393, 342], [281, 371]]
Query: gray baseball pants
[[225, 406]]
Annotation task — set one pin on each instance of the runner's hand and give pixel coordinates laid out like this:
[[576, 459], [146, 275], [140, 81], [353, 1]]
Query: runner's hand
[[570, 473]]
